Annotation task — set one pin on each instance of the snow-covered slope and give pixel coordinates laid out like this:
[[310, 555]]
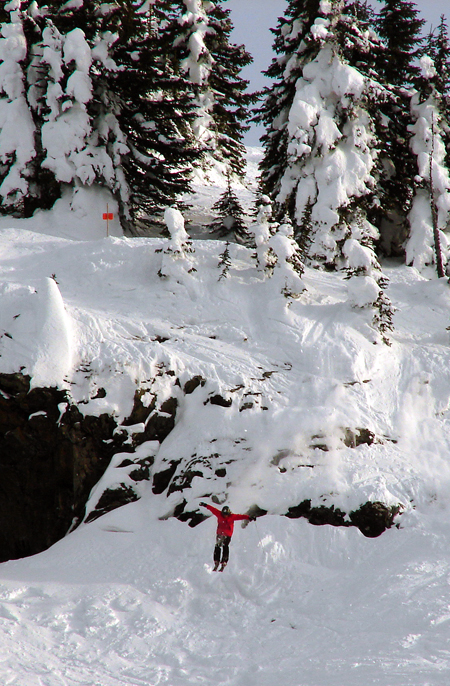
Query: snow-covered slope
[[130, 598], [298, 376]]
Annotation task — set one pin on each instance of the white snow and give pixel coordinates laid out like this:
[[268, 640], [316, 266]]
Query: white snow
[[433, 179], [130, 598], [16, 144]]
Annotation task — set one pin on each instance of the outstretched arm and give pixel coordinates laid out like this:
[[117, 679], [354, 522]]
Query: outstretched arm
[[238, 517], [211, 509]]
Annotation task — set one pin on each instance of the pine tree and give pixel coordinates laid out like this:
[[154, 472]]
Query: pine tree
[[262, 229], [288, 268], [153, 112], [329, 173], [140, 111], [79, 138], [225, 262], [104, 108], [230, 219], [19, 31], [199, 37], [430, 212], [329, 161], [366, 282], [292, 52], [438, 48], [399, 26], [74, 153], [177, 259]]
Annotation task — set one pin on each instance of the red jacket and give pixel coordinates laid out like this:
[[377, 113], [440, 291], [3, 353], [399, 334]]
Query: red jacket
[[225, 525]]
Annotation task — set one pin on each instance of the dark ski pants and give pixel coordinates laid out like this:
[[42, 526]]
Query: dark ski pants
[[222, 546]]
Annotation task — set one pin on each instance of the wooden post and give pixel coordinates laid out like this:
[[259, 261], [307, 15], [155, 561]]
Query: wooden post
[[107, 216]]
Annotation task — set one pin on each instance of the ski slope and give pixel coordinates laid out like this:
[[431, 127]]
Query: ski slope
[[127, 601], [130, 599]]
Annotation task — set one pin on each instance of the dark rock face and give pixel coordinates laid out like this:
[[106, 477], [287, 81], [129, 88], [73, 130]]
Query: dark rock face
[[317, 515], [371, 518], [50, 458], [111, 499]]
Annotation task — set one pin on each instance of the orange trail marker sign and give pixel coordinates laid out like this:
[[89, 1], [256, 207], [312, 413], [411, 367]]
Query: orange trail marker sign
[[107, 216]]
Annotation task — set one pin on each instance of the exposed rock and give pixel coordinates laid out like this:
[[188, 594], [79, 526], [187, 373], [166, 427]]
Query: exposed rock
[[140, 412], [356, 437], [161, 422], [192, 384], [51, 456], [256, 511], [142, 471], [184, 480], [161, 480], [111, 499], [193, 517], [372, 519], [219, 400], [318, 515]]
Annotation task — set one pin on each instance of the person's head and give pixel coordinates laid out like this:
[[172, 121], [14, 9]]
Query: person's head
[[226, 511]]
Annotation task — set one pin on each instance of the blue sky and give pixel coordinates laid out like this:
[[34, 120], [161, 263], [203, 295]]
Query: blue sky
[[254, 18]]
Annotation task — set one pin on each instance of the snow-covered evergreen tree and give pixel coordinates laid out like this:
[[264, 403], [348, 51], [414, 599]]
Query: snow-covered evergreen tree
[[288, 269], [438, 48], [262, 230], [199, 37], [230, 216], [301, 35], [66, 99], [330, 169], [399, 26], [224, 262], [73, 150], [430, 212], [99, 105], [292, 52], [17, 126], [177, 259], [366, 283], [153, 112], [330, 158]]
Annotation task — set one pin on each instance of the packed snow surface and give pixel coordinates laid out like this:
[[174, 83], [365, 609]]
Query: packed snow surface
[[130, 598]]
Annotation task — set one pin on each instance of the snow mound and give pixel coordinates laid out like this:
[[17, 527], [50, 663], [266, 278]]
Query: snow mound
[[54, 333], [36, 332]]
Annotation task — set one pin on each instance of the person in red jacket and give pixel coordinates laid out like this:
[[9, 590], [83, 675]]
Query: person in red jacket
[[225, 528]]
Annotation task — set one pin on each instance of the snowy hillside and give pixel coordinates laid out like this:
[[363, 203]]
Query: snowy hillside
[[298, 400]]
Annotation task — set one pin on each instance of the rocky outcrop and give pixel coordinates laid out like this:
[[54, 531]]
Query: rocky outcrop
[[50, 458], [52, 455], [371, 518]]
